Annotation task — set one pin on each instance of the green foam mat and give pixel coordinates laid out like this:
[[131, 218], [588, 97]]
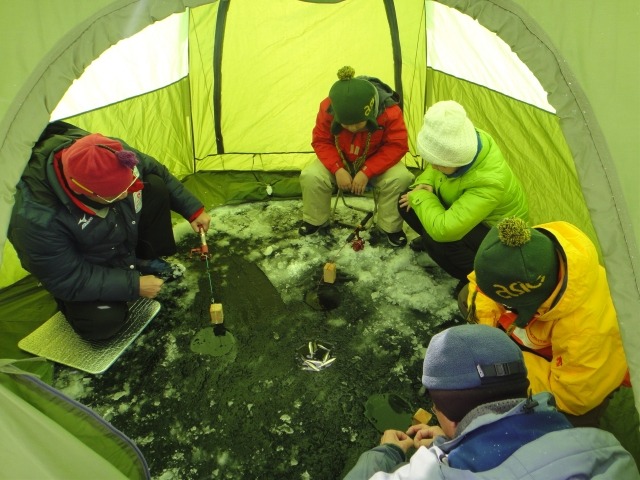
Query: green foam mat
[[388, 411], [55, 340]]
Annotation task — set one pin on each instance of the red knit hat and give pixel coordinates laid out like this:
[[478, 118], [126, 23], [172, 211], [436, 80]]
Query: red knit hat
[[100, 165]]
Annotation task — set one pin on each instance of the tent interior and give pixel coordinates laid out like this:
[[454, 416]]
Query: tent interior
[[225, 94]]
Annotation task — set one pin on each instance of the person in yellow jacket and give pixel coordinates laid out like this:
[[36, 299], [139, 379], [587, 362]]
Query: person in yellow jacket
[[545, 288]]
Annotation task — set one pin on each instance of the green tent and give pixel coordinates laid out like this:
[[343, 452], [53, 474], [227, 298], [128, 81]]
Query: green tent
[[234, 86], [48, 435]]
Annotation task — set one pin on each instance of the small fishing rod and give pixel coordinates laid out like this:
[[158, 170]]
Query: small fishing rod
[[216, 313]]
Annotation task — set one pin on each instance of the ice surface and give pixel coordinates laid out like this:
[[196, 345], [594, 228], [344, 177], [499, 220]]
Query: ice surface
[[257, 414]]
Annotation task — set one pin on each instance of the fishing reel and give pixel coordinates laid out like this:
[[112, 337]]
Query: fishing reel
[[357, 243]]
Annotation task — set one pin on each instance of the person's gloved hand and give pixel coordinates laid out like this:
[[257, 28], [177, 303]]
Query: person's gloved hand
[[359, 183], [424, 435], [405, 202], [398, 438], [343, 179], [203, 220], [150, 286]]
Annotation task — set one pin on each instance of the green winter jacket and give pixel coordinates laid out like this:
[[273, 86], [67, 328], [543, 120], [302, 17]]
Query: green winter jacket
[[486, 193]]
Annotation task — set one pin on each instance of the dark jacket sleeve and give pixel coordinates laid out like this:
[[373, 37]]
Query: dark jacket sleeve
[[182, 200], [46, 244]]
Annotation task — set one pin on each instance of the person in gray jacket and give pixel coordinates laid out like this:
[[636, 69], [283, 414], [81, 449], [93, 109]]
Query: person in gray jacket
[[92, 221], [489, 429]]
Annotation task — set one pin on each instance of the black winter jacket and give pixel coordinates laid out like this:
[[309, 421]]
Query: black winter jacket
[[79, 256]]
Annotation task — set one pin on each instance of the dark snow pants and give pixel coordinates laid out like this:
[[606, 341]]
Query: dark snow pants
[[100, 320], [455, 258]]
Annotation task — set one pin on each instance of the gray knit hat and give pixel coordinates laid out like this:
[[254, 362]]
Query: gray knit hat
[[468, 365], [447, 137], [471, 356]]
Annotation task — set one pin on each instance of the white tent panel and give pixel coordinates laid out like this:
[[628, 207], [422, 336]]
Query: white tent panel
[[459, 46], [151, 59]]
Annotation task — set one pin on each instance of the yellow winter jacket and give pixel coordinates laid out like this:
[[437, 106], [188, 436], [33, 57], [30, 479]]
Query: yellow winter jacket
[[579, 355]]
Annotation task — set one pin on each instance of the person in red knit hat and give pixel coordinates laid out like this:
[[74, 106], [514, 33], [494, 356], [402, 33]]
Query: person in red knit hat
[[92, 221]]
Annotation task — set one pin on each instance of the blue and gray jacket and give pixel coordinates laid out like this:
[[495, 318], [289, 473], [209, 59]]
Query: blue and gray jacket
[[506, 440]]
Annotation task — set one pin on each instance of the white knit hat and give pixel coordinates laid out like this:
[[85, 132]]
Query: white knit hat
[[447, 137]]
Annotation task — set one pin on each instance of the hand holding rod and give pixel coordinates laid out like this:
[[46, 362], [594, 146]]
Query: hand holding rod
[[204, 248]]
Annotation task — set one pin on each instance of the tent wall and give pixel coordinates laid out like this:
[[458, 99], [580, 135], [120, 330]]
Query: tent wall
[[598, 42], [595, 167], [252, 94], [158, 123], [256, 93], [42, 55], [43, 423]]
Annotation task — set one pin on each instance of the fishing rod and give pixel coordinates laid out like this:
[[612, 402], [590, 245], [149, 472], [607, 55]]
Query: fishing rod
[[216, 313], [357, 243]]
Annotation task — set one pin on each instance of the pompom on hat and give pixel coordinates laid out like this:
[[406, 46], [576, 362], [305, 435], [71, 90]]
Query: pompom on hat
[[468, 365], [99, 165], [447, 137], [517, 266], [353, 100]]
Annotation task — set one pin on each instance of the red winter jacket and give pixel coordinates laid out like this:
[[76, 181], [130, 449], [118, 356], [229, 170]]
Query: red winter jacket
[[387, 146]]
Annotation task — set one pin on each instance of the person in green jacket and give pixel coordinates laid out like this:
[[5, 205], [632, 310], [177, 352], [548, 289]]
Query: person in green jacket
[[467, 188]]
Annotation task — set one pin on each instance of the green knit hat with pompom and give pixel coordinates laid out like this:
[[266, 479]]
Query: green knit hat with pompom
[[517, 266], [353, 100]]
